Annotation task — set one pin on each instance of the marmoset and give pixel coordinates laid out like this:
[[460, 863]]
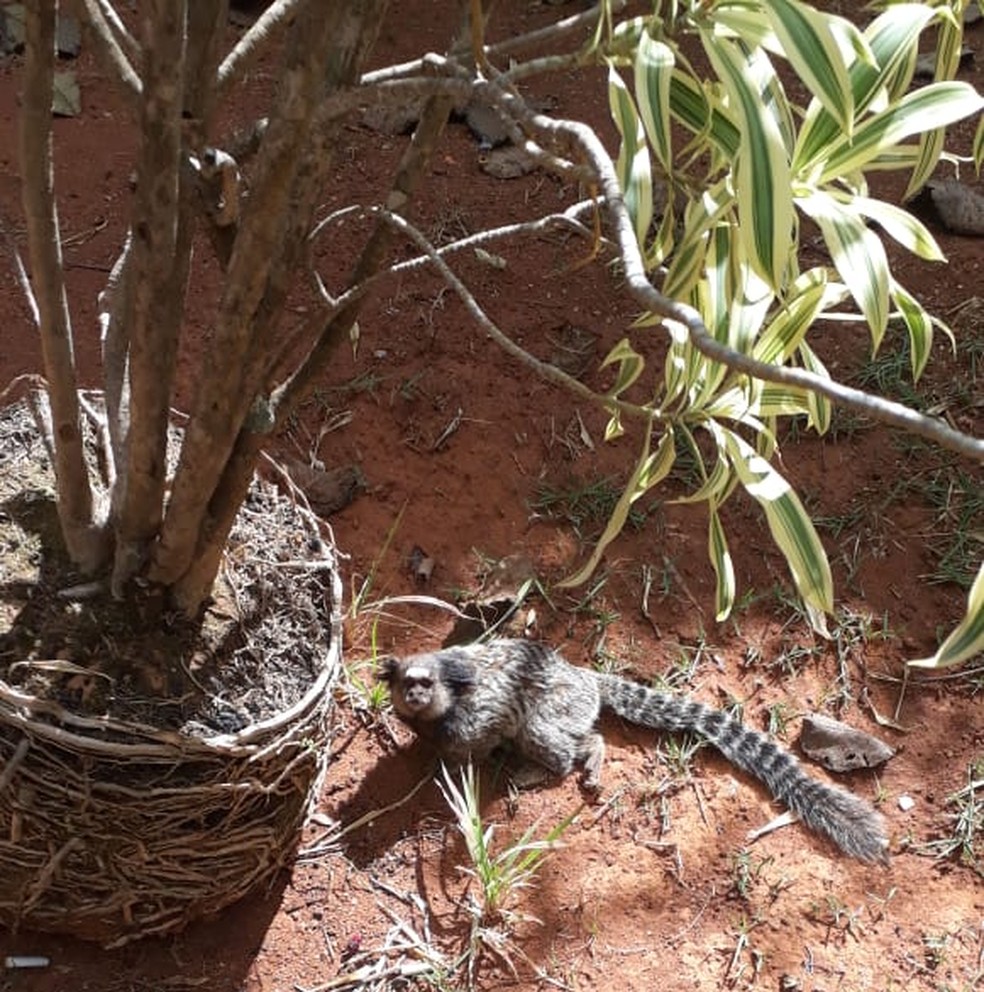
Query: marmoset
[[471, 700]]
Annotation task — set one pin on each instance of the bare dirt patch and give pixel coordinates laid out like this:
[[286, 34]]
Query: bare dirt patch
[[658, 887]]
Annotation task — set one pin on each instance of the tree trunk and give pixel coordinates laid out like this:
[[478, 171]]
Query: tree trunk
[[345, 31], [85, 536], [154, 314], [197, 581]]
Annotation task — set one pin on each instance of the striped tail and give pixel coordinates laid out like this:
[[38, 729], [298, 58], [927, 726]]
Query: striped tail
[[850, 822]]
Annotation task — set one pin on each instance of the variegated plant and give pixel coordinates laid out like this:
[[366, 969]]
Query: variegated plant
[[727, 242]]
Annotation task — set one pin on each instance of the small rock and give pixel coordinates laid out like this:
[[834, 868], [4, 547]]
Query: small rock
[[68, 39], [959, 208], [11, 28], [841, 748], [926, 64], [906, 803], [327, 491], [486, 124], [508, 162], [392, 119]]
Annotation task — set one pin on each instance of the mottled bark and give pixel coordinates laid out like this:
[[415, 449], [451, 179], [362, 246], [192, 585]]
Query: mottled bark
[[154, 314], [351, 41], [176, 114], [324, 47], [231, 491], [84, 536]]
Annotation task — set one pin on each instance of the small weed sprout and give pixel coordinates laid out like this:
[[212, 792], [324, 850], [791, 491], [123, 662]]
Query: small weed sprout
[[836, 915], [745, 871], [500, 876], [966, 836], [677, 753], [365, 690], [736, 966], [779, 716]]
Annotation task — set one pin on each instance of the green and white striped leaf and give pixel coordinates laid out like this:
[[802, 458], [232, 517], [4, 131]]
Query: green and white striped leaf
[[858, 255], [791, 527], [815, 55], [919, 325], [613, 428], [675, 366], [624, 39], [762, 174], [820, 408], [662, 245], [907, 230], [755, 401], [747, 22], [788, 328], [978, 149], [948, 43], [686, 266], [893, 38], [630, 366], [724, 569], [650, 469], [935, 105], [930, 150], [633, 168], [895, 158], [714, 296], [654, 65], [967, 639], [749, 308], [764, 80], [716, 486], [689, 105]]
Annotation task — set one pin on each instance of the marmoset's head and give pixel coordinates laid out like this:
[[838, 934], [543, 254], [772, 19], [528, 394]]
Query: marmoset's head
[[426, 686]]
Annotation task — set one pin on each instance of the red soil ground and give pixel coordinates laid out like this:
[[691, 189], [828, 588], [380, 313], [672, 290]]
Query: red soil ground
[[658, 887]]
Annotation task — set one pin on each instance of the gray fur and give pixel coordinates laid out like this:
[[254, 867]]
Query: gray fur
[[471, 700]]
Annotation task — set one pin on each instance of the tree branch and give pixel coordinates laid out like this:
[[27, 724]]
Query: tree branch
[[250, 47], [566, 133], [106, 27], [543, 369]]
